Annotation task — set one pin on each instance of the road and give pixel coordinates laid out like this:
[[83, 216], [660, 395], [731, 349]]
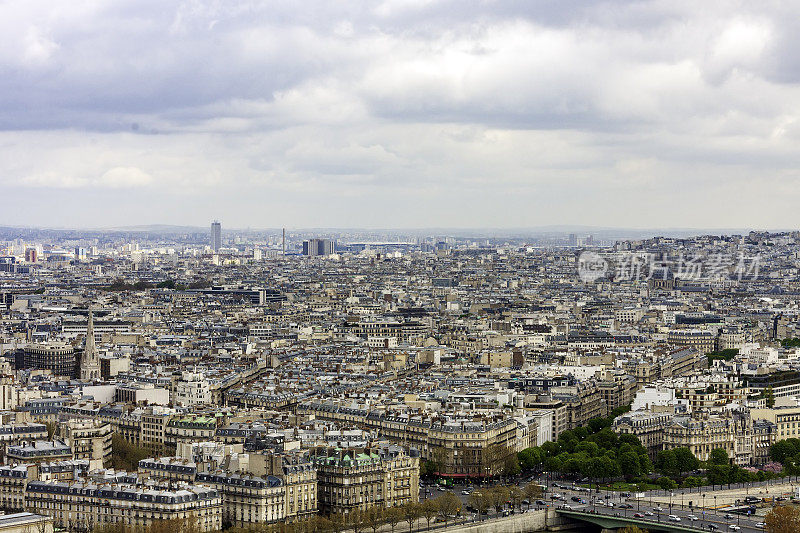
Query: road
[[596, 502]]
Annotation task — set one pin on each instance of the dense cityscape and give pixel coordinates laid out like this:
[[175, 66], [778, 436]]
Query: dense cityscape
[[399, 266], [241, 380]]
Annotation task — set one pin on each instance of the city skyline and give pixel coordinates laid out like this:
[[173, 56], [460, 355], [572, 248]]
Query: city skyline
[[495, 114]]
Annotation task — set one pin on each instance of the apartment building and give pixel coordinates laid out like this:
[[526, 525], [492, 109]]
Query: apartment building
[[648, 426], [299, 479], [89, 439], [703, 432], [192, 428], [354, 478], [82, 505], [247, 499], [13, 480]]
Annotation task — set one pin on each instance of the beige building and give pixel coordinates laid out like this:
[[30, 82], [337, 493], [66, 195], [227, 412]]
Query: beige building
[[89, 439], [81, 505], [299, 478], [247, 499], [353, 478], [703, 432]]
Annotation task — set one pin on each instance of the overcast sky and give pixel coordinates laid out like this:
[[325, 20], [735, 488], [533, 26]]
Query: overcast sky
[[400, 113]]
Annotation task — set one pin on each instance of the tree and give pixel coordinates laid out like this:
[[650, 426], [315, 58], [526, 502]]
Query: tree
[[718, 456], [321, 523], [783, 519], [393, 515], [718, 474], [515, 494], [411, 513], [356, 520], [126, 456], [551, 449], [530, 458], [479, 501], [448, 505], [629, 464], [645, 465], [693, 481], [373, 518], [596, 424], [511, 466], [338, 522], [497, 497], [784, 449], [430, 508], [666, 462], [580, 433], [552, 464], [666, 483], [492, 459], [685, 461], [532, 491], [427, 469]]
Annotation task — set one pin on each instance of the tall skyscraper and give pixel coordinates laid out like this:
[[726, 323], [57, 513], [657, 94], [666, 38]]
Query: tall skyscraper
[[317, 247], [216, 236]]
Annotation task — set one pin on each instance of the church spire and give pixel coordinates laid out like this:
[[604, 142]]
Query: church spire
[[90, 363]]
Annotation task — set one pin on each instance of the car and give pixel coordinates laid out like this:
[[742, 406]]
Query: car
[[762, 525], [658, 509], [648, 513], [625, 506], [610, 504], [638, 515], [692, 517], [728, 516], [734, 527], [567, 506], [465, 492], [674, 518], [575, 499], [712, 527], [540, 502], [526, 502]]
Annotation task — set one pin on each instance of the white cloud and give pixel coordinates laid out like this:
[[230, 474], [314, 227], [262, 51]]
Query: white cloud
[[423, 113], [124, 177]]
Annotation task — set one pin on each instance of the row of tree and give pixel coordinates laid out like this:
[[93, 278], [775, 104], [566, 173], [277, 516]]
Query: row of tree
[[496, 498], [597, 453], [594, 452]]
